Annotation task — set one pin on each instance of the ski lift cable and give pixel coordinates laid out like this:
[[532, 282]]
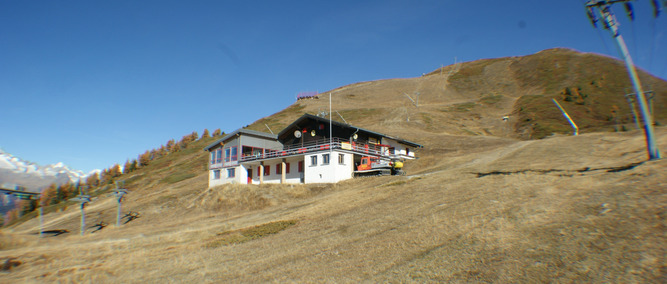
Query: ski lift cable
[[630, 13], [633, 27], [658, 35], [653, 44], [663, 73]]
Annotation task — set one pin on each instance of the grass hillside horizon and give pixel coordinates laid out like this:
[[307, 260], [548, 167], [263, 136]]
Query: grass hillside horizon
[[486, 201], [471, 98]]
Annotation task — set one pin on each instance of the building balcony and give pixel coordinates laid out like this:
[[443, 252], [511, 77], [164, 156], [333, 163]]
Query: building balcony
[[365, 149], [319, 145]]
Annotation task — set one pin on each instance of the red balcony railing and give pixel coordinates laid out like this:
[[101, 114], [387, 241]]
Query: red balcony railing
[[312, 146]]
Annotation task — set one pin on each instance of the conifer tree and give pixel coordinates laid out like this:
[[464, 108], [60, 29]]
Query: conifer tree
[[185, 140], [205, 134], [105, 176], [216, 132], [115, 171], [162, 151], [27, 206], [48, 196], [127, 167], [171, 144], [144, 158], [182, 143], [93, 180], [65, 191], [153, 155], [59, 197]]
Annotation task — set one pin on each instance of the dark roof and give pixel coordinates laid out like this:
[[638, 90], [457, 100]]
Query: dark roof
[[307, 116], [241, 131]]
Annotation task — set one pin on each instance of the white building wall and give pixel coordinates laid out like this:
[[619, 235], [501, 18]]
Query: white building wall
[[294, 176], [212, 181], [331, 172], [400, 149], [241, 176]]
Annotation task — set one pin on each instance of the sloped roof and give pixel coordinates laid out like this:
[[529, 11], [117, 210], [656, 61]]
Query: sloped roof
[[241, 131], [308, 116]]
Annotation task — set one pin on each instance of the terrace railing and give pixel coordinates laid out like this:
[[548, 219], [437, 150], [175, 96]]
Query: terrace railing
[[314, 146]]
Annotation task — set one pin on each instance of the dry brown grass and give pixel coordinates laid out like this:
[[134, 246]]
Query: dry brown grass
[[235, 197], [474, 100], [442, 223], [248, 234]]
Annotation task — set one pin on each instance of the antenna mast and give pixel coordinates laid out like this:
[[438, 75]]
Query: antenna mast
[[610, 23]]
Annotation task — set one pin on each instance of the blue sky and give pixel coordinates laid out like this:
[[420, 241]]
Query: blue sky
[[94, 83]]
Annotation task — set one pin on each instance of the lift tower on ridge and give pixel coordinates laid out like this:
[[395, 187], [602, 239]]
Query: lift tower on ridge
[[609, 20]]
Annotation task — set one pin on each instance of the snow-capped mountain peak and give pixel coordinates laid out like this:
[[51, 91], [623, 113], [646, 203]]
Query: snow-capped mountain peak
[[33, 176]]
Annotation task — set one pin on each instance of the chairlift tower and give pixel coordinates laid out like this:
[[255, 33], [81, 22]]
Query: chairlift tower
[[119, 193], [83, 199], [609, 20]]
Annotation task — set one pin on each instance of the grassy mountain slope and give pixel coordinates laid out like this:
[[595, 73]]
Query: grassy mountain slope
[[560, 209], [478, 205], [471, 98]]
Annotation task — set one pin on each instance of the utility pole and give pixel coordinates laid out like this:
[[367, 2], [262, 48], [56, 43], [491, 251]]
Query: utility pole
[[609, 20]]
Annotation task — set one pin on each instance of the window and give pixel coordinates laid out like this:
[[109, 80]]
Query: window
[[279, 169], [231, 154], [267, 170], [301, 166], [341, 159], [325, 159], [313, 160], [231, 173], [216, 174], [235, 156], [216, 156]]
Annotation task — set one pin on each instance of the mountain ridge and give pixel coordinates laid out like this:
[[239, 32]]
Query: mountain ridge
[[472, 98], [34, 177]]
